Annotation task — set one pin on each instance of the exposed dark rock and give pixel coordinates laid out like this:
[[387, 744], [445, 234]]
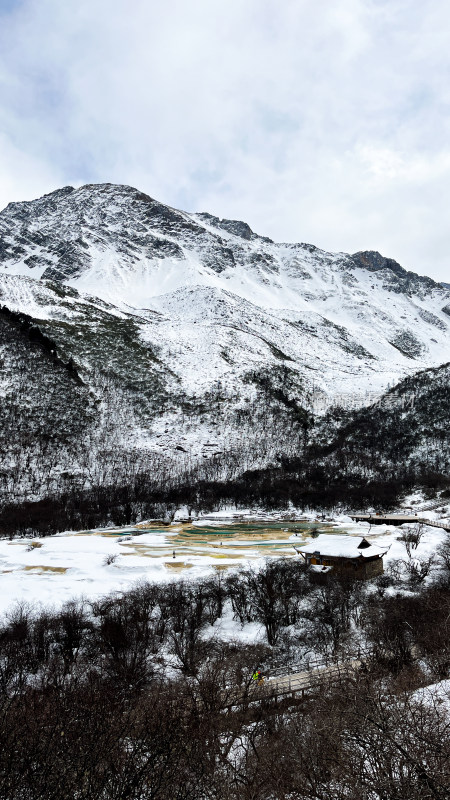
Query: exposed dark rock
[[407, 344], [234, 226], [373, 261], [237, 227], [432, 319]]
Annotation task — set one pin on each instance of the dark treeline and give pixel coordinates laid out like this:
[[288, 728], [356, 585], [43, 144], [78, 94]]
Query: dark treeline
[[305, 486], [129, 696]]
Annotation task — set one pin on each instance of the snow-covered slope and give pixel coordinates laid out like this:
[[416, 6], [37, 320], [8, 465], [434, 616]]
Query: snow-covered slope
[[227, 298], [407, 429], [182, 385]]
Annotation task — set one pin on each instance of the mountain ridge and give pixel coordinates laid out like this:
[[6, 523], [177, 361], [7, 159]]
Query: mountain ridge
[[121, 245], [165, 220]]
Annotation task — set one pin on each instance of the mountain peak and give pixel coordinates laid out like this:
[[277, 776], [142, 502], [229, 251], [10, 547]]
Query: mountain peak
[[373, 261]]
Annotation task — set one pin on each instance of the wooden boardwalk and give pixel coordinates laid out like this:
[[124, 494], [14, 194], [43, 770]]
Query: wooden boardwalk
[[309, 679], [441, 523], [295, 683], [400, 519]]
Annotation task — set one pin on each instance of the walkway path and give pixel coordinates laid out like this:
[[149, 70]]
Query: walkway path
[[400, 519], [294, 683], [308, 679]]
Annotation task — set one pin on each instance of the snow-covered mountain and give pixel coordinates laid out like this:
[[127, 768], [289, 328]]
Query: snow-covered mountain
[[214, 338], [352, 323]]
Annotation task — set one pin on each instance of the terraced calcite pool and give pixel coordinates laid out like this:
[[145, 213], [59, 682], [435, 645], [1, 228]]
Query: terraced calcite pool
[[181, 546]]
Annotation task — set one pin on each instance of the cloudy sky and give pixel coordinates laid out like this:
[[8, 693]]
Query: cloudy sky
[[324, 122]]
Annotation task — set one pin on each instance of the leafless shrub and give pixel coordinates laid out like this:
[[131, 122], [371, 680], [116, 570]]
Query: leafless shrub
[[418, 569], [443, 553], [411, 537], [395, 570]]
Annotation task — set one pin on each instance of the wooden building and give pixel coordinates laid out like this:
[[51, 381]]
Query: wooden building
[[343, 556]]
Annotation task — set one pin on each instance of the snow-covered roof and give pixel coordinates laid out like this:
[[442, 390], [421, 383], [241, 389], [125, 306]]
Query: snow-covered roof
[[342, 547]]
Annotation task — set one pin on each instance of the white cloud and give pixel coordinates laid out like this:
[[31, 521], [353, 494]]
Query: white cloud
[[22, 175], [315, 122]]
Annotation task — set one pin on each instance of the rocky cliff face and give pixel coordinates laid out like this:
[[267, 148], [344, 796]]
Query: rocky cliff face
[[395, 277]]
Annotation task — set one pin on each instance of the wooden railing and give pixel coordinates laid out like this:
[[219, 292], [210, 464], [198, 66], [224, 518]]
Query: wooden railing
[[295, 679]]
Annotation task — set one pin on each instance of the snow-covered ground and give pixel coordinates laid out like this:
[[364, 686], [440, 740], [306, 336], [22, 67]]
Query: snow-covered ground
[[436, 695], [52, 570]]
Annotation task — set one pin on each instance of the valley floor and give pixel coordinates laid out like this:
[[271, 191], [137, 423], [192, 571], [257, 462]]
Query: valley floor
[[51, 570]]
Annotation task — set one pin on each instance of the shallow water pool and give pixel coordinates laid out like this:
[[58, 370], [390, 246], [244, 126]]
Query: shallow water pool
[[221, 544]]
